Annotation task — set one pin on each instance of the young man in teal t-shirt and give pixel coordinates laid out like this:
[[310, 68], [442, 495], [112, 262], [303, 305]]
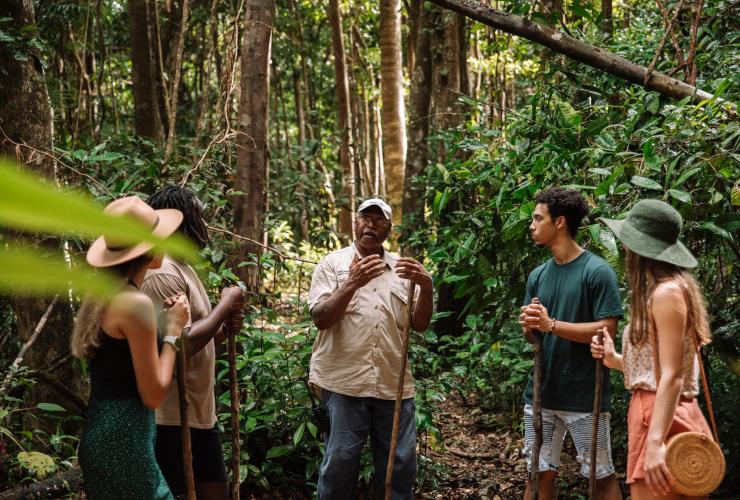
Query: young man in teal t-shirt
[[578, 294]]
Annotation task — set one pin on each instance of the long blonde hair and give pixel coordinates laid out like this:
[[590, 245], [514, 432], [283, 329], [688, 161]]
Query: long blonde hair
[[86, 333], [697, 322]]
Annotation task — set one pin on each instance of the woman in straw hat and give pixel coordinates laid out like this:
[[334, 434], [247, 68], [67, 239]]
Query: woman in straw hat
[[667, 310], [129, 374]]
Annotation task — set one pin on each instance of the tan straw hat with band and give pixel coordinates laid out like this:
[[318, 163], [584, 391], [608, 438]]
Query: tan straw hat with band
[[106, 251]]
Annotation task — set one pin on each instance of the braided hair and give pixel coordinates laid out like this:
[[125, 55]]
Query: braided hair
[[193, 226]]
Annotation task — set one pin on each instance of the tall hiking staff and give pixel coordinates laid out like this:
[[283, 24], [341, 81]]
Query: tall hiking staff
[[399, 392], [534, 475], [182, 393], [595, 415], [233, 390]]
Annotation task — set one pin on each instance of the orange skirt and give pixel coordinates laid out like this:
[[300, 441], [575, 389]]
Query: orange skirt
[[687, 418]]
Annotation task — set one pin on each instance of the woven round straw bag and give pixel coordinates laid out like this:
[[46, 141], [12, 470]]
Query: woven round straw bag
[[696, 463]]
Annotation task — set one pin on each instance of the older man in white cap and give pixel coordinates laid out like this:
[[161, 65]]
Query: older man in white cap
[[358, 302]]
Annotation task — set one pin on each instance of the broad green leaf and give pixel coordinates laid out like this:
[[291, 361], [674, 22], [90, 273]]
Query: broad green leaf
[[29, 204], [685, 176], [298, 435], [711, 226], [453, 278], [36, 462], [28, 271], [599, 171], [594, 231], [279, 451], [609, 242], [646, 183], [680, 195], [49, 407], [312, 429]]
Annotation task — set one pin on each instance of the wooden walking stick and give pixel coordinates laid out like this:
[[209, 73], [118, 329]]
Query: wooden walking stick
[[182, 393], [534, 476], [233, 389], [595, 415], [399, 392]]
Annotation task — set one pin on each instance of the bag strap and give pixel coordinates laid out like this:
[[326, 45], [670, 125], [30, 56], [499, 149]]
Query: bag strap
[[697, 348]]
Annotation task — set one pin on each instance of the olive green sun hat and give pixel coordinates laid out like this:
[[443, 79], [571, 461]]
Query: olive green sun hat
[[651, 230]]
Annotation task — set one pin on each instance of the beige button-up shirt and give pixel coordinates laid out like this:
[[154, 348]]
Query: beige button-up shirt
[[360, 355]]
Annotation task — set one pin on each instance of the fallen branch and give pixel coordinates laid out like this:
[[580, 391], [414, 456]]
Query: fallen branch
[[19, 358], [62, 484], [580, 51]]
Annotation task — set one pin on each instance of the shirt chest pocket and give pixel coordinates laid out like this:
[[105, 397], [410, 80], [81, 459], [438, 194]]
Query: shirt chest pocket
[[399, 303]]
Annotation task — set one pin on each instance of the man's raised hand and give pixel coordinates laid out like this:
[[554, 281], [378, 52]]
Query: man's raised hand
[[363, 270], [413, 271]]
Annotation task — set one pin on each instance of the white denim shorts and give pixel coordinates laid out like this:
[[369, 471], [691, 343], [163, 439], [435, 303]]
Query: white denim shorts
[[554, 425]]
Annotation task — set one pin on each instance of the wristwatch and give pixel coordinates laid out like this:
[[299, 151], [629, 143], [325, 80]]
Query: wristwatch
[[172, 340]]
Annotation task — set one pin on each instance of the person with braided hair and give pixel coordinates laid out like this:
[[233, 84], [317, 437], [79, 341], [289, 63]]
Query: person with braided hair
[[208, 327]]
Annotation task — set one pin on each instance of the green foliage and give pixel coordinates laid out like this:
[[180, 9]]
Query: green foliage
[[28, 204], [23, 42], [481, 203], [565, 124], [39, 464]]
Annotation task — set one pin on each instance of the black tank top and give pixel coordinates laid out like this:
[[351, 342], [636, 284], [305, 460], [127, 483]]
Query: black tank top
[[112, 373], [112, 370]]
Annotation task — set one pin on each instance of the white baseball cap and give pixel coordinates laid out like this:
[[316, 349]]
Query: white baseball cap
[[376, 202]]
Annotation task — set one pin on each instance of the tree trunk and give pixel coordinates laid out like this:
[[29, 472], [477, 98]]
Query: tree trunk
[[347, 203], [394, 114], [607, 20], [416, 161], [575, 49], [147, 119], [301, 188], [355, 113], [252, 158], [462, 59], [175, 76], [446, 67], [414, 22], [25, 117]]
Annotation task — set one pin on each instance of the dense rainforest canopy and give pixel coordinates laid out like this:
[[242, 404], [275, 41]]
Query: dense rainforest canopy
[[283, 115]]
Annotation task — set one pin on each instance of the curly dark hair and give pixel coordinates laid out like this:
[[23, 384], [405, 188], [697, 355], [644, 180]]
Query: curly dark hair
[[566, 202], [193, 226]]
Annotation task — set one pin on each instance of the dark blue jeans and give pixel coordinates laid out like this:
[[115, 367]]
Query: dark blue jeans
[[352, 420]]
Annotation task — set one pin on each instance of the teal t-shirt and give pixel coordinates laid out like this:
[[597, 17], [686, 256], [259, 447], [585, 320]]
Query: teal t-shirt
[[581, 291]]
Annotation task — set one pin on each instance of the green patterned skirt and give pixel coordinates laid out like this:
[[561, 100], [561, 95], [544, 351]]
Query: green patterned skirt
[[116, 452]]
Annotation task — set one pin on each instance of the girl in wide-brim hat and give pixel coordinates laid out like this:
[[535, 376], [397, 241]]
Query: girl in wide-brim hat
[[129, 375], [666, 310]]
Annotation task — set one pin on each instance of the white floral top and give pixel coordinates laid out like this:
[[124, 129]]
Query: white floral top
[[638, 365]]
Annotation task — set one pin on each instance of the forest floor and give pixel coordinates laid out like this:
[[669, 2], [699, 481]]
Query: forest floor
[[478, 461]]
